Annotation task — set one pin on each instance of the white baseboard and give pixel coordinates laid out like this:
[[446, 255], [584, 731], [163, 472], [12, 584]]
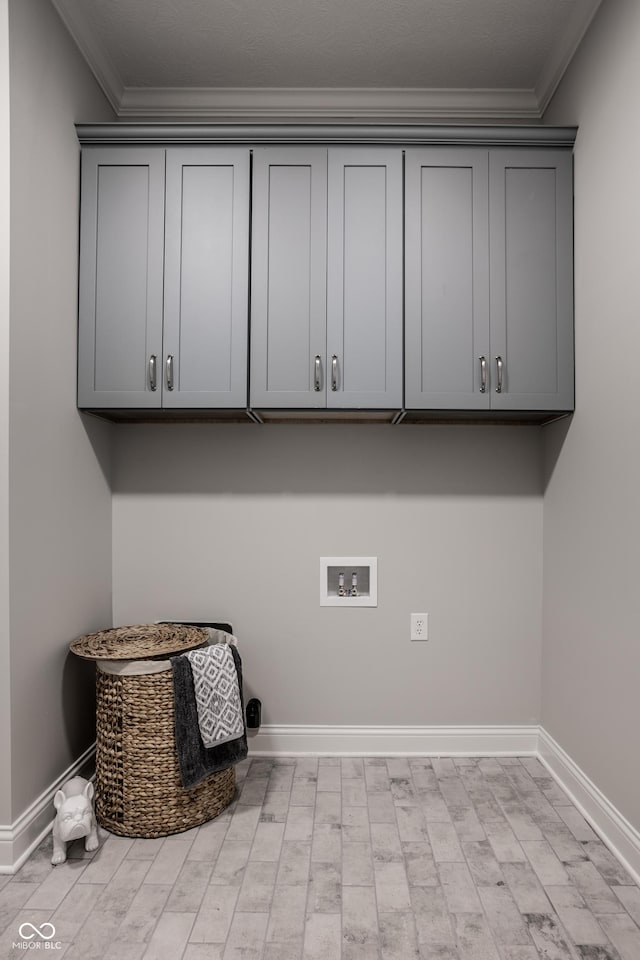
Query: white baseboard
[[18, 840], [312, 740], [618, 834]]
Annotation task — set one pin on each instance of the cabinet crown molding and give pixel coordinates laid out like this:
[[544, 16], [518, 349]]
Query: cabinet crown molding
[[348, 133]]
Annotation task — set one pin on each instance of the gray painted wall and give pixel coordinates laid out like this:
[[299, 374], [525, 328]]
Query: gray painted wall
[[591, 655], [5, 196], [60, 533], [229, 521]]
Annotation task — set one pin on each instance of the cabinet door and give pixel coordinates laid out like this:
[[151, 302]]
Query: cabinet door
[[446, 279], [206, 278], [288, 298], [364, 278], [531, 256], [121, 267]]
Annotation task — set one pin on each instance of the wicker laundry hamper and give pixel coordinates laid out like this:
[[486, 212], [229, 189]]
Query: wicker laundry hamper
[[139, 792]]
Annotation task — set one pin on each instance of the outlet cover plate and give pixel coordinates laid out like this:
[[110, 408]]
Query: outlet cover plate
[[419, 626]]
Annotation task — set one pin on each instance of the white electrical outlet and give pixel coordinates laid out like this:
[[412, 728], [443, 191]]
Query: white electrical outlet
[[419, 626]]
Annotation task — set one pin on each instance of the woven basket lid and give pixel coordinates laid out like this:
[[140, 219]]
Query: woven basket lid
[[140, 641]]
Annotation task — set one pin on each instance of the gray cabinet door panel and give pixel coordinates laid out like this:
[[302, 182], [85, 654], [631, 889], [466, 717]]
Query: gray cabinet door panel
[[446, 279], [206, 277], [532, 279], [121, 263], [364, 278], [288, 304]]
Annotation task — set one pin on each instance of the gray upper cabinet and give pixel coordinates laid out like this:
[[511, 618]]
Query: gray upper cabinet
[[447, 279], [384, 268], [164, 278], [289, 277], [531, 279], [364, 278], [326, 310], [206, 277], [489, 279], [121, 263]]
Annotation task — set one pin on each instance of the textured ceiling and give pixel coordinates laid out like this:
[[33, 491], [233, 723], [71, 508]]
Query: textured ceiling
[[187, 45]]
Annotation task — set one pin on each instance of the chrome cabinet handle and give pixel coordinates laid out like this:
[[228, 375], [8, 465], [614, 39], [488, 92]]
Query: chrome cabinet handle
[[500, 367], [153, 375], [483, 374], [334, 372], [169, 371], [316, 373]]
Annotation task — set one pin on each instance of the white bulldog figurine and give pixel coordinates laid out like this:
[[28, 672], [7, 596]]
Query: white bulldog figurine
[[74, 818]]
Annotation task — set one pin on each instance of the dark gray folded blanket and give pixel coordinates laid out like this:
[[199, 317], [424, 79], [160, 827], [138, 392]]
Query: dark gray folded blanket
[[195, 760]]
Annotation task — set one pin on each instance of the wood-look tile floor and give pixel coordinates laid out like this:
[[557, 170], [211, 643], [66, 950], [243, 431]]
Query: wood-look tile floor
[[346, 859]]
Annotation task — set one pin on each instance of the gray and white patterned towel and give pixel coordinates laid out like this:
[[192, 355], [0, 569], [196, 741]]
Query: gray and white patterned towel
[[217, 694]]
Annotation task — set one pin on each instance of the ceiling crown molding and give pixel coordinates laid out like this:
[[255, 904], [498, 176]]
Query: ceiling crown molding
[[564, 51], [93, 52], [328, 103]]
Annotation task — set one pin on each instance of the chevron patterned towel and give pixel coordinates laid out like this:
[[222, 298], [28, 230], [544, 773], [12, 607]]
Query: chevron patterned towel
[[217, 693]]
